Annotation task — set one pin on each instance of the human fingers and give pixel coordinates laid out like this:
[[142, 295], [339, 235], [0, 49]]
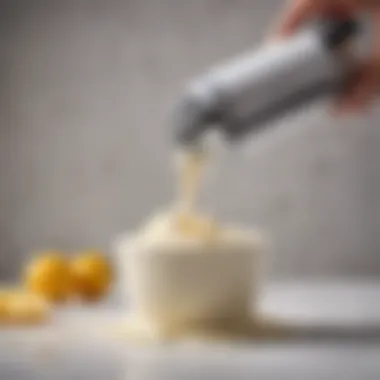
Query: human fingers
[[363, 86], [295, 15]]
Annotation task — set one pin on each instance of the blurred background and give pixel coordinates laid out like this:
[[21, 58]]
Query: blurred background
[[87, 90]]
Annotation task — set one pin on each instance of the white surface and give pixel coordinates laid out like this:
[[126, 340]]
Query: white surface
[[353, 354]]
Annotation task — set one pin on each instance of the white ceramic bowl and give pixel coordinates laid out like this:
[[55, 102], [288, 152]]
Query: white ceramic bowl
[[181, 283]]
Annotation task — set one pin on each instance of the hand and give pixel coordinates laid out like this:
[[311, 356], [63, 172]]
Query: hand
[[365, 82]]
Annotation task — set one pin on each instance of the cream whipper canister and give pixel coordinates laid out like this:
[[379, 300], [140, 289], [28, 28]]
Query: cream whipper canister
[[252, 91]]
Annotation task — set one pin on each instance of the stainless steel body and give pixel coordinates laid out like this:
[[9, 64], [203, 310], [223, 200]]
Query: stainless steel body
[[242, 95]]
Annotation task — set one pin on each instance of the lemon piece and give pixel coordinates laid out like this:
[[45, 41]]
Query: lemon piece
[[48, 275], [26, 308], [92, 275], [19, 307], [4, 314]]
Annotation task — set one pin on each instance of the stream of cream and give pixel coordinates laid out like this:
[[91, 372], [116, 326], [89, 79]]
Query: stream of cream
[[184, 221]]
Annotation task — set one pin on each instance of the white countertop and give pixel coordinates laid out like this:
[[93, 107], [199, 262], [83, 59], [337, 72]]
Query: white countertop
[[338, 337]]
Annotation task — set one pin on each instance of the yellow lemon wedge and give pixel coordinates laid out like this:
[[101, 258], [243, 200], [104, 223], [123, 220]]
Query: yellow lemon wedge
[[27, 308], [19, 307]]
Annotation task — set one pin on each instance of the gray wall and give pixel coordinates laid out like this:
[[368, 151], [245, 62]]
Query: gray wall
[[87, 88]]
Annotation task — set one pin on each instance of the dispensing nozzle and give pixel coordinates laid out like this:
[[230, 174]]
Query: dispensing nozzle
[[196, 113]]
